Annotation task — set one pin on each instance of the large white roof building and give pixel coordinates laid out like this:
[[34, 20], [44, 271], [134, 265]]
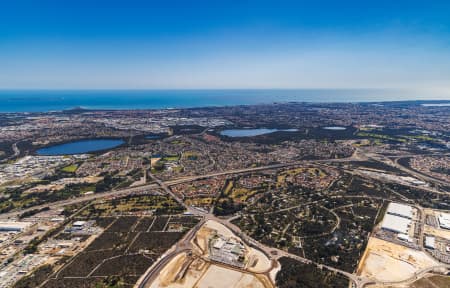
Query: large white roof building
[[401, 210], [444, 220], [396, 223], [12, 226], [430, 242]]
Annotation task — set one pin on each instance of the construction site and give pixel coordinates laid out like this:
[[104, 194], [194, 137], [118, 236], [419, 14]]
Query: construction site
[[218, 259]]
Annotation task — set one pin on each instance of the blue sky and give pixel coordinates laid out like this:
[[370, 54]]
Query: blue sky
[[85, 44]]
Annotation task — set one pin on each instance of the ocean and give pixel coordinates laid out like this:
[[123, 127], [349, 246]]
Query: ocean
[[57, 100]]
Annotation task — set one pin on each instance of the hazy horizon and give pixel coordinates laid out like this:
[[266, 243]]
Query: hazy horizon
[[87, 45]]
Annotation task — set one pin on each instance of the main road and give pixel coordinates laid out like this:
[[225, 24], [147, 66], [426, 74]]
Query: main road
[[153, 186]]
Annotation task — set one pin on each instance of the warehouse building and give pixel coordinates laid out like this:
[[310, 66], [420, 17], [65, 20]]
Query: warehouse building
[[400, 210], [430, 242], [396, 224], [444, 220], [12, 226]]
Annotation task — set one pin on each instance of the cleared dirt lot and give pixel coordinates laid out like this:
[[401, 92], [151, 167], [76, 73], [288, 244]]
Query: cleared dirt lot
[[386, 261], [219, 277], [257, 261], [431, 281]]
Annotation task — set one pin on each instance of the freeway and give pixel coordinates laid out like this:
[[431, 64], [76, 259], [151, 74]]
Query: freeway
[[71, 201], [396, 164], [167, 190], [148, 187], [418, 174], [164, 184]]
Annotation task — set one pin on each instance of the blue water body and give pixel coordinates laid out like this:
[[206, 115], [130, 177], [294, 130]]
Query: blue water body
[[335, 128], [251, 132], [437, 105], [152, 137], [80, 147], [53, 100]]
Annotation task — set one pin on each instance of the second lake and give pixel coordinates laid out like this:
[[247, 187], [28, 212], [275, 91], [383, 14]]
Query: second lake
[[251, 132]]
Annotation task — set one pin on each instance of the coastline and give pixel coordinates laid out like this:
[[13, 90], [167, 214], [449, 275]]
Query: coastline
[[33, 101]]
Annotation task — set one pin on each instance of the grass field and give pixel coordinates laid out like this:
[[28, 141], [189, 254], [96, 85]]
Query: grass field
[[135, 203], [70, 169], [171, 158]]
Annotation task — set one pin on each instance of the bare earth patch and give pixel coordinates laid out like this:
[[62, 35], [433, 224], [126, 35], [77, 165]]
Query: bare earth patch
[[386, 261]]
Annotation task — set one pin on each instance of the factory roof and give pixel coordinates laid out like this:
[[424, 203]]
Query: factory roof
[[429, 242], [404, 237], [395, 223], [400, 210], [12, 225], [79, 223], [444, 220], [219, 243]]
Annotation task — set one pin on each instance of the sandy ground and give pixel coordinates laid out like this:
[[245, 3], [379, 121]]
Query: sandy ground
[[274, 271], [168, 274], [221, 229], [257, 261], [437, 232], [219, 277], [200, 240], [430, 281], [203, 275], [387, 261]]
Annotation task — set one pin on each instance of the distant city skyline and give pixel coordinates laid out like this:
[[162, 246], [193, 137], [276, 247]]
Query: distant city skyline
[[225, 45]]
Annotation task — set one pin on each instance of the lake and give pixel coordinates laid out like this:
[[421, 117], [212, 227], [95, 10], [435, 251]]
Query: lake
[[251, 132], [153, 137], [335, 128], [80, 147]]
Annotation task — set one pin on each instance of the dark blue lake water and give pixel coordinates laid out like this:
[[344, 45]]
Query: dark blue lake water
[[153, 137], [335, 128], [80, 147], [251, 132]]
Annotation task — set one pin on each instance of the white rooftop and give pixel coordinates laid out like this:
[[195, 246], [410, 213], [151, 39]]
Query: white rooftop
[[444, 220], [429, 242], [403, 237], [395, 223], [219, 243], [12, 225], [79, 223], [400, 210]]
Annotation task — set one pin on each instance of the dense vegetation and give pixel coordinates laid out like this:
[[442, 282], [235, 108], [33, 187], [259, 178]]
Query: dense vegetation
[[294, 274]]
